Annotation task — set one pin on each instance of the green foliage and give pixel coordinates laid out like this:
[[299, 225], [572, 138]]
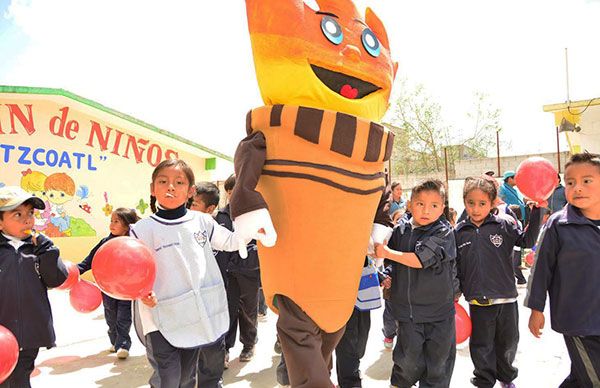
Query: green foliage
[[422, 133]]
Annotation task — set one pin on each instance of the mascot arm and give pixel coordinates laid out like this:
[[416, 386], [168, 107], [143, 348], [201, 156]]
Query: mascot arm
[[248, 207], [382, 224], [248, 162]]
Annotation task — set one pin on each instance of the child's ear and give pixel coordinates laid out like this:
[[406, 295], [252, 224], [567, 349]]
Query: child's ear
[[211, 209], [192, 191], [408, 205]]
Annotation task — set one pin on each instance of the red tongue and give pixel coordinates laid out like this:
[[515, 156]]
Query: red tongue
[[348, 91]]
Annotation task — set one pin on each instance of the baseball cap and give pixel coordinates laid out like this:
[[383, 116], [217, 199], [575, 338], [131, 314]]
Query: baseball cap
[[13, 196], [508, 174]]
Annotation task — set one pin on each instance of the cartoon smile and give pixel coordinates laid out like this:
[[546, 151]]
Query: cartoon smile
[[345, 85]]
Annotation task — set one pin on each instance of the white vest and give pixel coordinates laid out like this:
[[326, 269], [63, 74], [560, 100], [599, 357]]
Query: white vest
[[192, 303]]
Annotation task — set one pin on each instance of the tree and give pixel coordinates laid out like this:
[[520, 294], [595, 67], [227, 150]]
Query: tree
[[422, 134]]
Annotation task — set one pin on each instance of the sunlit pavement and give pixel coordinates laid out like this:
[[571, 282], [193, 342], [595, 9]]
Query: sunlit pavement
[[81, 358]]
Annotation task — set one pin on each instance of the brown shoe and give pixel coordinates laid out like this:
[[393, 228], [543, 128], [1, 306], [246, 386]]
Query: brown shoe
[[247, 354]]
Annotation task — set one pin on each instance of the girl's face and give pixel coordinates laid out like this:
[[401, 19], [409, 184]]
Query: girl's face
[[478, 205], [117, 227], [171, 187]]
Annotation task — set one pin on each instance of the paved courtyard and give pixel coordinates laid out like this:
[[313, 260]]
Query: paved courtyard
[[81, 358]]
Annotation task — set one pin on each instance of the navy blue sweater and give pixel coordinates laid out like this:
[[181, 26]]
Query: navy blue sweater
[[424, 294], [25, 275], [485, 254], [567, 266]]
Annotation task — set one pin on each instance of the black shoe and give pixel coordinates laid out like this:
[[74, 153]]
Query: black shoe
[[247, 354]]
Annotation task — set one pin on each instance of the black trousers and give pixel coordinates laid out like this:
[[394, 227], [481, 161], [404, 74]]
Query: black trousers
[[211, 366], [242, 298], [584, 353], [117, 314], [174, 367], [517, 262], [493, 343], [351, 349], [19, 378], [424, 352], [389, 322]]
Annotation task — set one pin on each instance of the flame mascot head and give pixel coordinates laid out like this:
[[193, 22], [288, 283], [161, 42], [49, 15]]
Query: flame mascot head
[[314, 156]]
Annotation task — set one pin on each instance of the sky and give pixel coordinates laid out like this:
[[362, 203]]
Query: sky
[[187, 67]]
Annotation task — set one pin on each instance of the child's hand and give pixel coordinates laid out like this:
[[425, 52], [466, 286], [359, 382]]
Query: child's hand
[[379, 250], [150, 300], [387, 283], [536, 323]]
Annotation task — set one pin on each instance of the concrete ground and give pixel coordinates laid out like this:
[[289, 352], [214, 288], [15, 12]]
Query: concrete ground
[[81, 358]]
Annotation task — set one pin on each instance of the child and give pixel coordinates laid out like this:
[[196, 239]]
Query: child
[[117, 313], [517, 258], [485, 241], [243, 281], [29, 264], [567, 266], [353, 343], [185, 318], [206, 198], [423, 287]]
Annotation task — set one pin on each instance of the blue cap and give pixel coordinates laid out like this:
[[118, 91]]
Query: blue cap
[[508, 174]]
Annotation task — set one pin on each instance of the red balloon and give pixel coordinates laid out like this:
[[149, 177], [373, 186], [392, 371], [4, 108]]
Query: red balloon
[[530, 258], [72, 277], [463, 324], [9, 353], [124, 268], [536, 178], [85, 297]]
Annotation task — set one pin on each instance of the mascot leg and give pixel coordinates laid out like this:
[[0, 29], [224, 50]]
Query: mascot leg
[[306, 347]]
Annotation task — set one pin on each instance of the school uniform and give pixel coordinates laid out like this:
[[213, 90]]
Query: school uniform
[[242, 280], [191, 318], [422, 301], [26, 273], [567, 268], [487, 280], [353, 343], [117, 313]]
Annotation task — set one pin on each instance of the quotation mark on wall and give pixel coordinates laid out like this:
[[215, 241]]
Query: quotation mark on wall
[[103, 158]]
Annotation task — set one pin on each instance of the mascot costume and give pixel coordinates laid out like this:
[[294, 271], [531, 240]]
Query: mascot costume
[[310, 174]]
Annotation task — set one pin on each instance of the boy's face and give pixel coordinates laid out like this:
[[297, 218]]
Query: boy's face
[[18, 222], [426, 207], [199, 205], [582, 188]]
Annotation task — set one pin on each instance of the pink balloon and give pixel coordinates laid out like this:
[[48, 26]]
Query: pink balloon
[[72, 277], [9, 353], [536, 178], [463, 324], [85, 297], [124, 268]]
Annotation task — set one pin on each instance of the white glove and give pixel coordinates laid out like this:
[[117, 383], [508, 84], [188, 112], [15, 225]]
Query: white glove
[[248, 227]]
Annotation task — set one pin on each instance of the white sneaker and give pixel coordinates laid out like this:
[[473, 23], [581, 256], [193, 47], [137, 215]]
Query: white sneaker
[[122, 353], [112, 349]]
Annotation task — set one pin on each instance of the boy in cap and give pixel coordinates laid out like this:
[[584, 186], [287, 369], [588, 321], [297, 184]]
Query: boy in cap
[[29, 265]]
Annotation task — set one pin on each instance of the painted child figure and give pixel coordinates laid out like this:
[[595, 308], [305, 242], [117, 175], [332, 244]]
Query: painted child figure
[[567, 268], [117, 313], [29, 265], [184, 320], [423, 253]]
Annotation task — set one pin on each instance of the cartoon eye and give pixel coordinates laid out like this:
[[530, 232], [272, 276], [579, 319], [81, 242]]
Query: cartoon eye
[[332, 30], [371, 43]]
